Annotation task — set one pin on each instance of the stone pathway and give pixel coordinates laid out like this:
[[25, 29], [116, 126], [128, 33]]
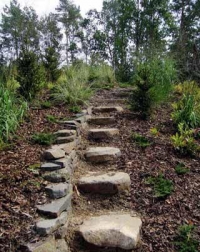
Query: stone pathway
[[108, 229]]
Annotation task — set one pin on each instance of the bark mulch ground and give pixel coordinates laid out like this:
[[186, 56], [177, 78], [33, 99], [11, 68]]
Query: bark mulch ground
[[20, 188], [161, 217]]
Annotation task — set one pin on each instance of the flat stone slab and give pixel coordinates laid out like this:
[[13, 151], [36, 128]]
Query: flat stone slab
[[65, 133], [53, 154], [58, 176], [102, 154], [109, 183], [99, 134], [56, 191], [107, 109], [68, 139], [50, 167], [46, 227], [101, 120], [112, 230], [55, 208]]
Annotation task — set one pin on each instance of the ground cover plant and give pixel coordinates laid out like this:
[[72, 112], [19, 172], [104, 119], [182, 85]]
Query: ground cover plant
[[43, 138], [181, 169], [140, 140]]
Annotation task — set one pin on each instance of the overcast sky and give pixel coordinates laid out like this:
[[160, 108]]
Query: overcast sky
[[46, 6]]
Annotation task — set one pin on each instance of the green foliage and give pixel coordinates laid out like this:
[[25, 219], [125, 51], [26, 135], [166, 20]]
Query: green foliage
[[75, 109], [44, 138], [161, 186], [187, 109], [181, 169], [30, 74], [185, 240], [140, 140], [72, 87], [46, 104], [184, 142], [153, 80], [154, 131], [51, 118], [11, 112], [101, 76]]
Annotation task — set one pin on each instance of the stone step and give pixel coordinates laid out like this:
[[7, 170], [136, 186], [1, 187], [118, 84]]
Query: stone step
[[56, 191], [58, 176], [100, 134], [53, 154], [49, 245], [48, 226], [109, 183], [50, 167], [63, 140], [112, 231], [102, 120], [55, 208], [102, 154], [106, 101], [65, 133], [107, 109]]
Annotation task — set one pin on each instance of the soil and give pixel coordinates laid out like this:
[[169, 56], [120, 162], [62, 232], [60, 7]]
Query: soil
[[161, 217], [21, 189]]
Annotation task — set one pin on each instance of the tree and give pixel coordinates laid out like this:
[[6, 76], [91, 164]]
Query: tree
[[186, 38], [69, 15], [50, 40]]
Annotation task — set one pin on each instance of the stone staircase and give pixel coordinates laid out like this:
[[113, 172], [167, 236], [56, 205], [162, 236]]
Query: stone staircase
[[58, 222]]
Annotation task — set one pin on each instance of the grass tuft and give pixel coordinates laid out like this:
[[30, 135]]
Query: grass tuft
[[44, 138]]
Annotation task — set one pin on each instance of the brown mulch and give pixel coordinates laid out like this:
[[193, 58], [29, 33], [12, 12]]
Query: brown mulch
[[20, 189], [161, 217]]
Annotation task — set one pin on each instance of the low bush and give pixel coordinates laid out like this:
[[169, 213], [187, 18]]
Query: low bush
[[161, 186], [184, 142], [153, 80], [140, 140], [46, 104], [72, 87], [44, 138], [12, 111], [185, 240], [51, 118], [181, 169]]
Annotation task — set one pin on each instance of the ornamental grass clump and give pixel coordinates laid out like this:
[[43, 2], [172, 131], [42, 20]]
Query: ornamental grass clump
[[12, 111]]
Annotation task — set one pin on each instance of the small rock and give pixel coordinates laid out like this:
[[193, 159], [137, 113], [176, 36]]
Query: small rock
[[55, 208], [46, 227], [112, 231], [53, 154], [101, 120], [59, 176], [63, 162], [61, 246], [49, 245], [109, 183], [58, 191], [107, 109], [102, 154], [100, 134], [50, 167]]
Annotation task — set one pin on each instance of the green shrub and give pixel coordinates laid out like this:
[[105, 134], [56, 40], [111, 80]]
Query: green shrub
[[185, 240], [181, 169], [31, 74], [72, 87], [140, 140], [184, 142], [44, 138], [161, 186], [75, 109], [11, 112], [187, 111], [153, 79]]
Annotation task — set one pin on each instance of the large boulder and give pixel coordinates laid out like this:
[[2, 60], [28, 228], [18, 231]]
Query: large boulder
[[112, 230]]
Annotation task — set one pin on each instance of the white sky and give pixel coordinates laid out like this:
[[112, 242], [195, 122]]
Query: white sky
[[46, 6]]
